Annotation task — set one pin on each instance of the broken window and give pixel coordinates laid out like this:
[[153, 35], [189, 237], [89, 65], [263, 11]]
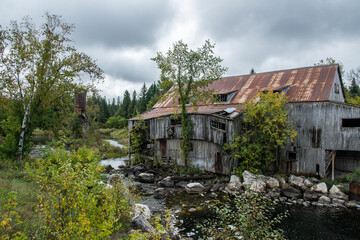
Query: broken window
[[351, 122], [175, 121], [336, 88], [221, 98], [224, 97], [218, 124]]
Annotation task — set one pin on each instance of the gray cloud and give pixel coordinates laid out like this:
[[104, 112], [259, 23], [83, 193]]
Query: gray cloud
[[121, 24], [268, 35]]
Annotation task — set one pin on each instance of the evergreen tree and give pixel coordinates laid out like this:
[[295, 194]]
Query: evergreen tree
[[354, 89], [125, 105], [142, 99]]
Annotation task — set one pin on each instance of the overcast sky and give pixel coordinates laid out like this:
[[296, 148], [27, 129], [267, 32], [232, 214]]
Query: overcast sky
[[122, 35]]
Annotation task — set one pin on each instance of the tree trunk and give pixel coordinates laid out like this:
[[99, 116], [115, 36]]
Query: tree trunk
[[23, 129]]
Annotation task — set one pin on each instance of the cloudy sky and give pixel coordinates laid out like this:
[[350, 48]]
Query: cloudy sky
[[122, 35]]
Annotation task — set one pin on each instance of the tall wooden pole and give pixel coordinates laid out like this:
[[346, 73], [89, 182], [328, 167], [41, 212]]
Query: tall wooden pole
[[333, 166]]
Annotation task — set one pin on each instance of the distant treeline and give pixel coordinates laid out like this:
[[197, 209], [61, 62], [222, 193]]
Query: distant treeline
[[115, 112]]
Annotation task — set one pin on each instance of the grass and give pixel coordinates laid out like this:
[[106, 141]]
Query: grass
[[121, 135], [40, 132], [13, 178]]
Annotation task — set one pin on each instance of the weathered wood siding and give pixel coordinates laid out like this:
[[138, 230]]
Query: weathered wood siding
[[206, 141], [336, 93], [319, 127], [202, 130]]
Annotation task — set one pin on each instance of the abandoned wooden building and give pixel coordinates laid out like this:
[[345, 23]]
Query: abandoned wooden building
[[328, 129]]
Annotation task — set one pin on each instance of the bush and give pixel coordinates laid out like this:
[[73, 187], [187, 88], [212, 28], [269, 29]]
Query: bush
[[249, 215], [354, 176], [10, 219], [73, 202], [116, 122]]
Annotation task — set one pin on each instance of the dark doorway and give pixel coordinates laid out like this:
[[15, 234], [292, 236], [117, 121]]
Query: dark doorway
[[218, 163], [347, 161], [163, 148]]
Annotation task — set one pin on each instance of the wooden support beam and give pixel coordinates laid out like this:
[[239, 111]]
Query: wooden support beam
[[333, 165]]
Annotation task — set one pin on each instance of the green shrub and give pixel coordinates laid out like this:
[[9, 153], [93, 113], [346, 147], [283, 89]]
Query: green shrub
[[354, 176], [74, 204], [116, 122], [10, 220]]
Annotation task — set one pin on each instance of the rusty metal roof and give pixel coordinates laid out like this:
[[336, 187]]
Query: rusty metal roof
[[212, 109], [302, 85]]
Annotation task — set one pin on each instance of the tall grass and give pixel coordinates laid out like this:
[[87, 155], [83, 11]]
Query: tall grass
[[13, 178]]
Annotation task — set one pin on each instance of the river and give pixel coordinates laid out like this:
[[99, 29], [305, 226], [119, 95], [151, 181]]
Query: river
[[303, 223]]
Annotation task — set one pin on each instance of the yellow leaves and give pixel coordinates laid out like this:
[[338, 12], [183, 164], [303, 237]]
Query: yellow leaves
[[5, 222]]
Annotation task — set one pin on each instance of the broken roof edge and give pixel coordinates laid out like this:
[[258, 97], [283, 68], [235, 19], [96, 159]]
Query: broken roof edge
[[200, 110]]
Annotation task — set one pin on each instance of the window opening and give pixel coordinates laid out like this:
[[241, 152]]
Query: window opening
[[351, 122], [225, 97], [175, 121], [317, 169], [292, 156], [221, 97], [218, 125]]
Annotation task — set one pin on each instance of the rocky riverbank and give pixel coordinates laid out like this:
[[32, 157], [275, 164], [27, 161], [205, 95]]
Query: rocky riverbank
[[155, 187]]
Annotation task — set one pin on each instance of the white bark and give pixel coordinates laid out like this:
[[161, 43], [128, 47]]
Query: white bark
[[23, 129]]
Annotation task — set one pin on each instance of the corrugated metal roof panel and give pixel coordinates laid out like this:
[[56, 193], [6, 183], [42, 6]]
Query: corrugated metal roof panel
[[304, 84]]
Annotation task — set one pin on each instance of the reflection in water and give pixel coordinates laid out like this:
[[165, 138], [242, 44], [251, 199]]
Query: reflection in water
[[321, 223], [301, 224]]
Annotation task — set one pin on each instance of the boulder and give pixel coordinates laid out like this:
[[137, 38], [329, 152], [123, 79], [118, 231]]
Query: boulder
[[258, 186], [143, 224], [213, 195], [146, 177], [308, 183], [181, 184], [142, 209], [192, 210], [335, 192], [217, 187], [324, 200], [350, 204], [249, 178], [274, 193], [160, 193], [167, 182], [108, 168], [338, 202], [291, 192], [320, 187], [310, 196], [272, 183], [297, 182], [194, 188], [234, 186], [282, 181]]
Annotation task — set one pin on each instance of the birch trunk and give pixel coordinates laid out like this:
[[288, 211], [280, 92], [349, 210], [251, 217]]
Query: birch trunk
[[23, 129]]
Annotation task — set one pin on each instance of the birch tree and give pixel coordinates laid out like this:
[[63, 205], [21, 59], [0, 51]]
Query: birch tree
[[191, 72], [40, 63]]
